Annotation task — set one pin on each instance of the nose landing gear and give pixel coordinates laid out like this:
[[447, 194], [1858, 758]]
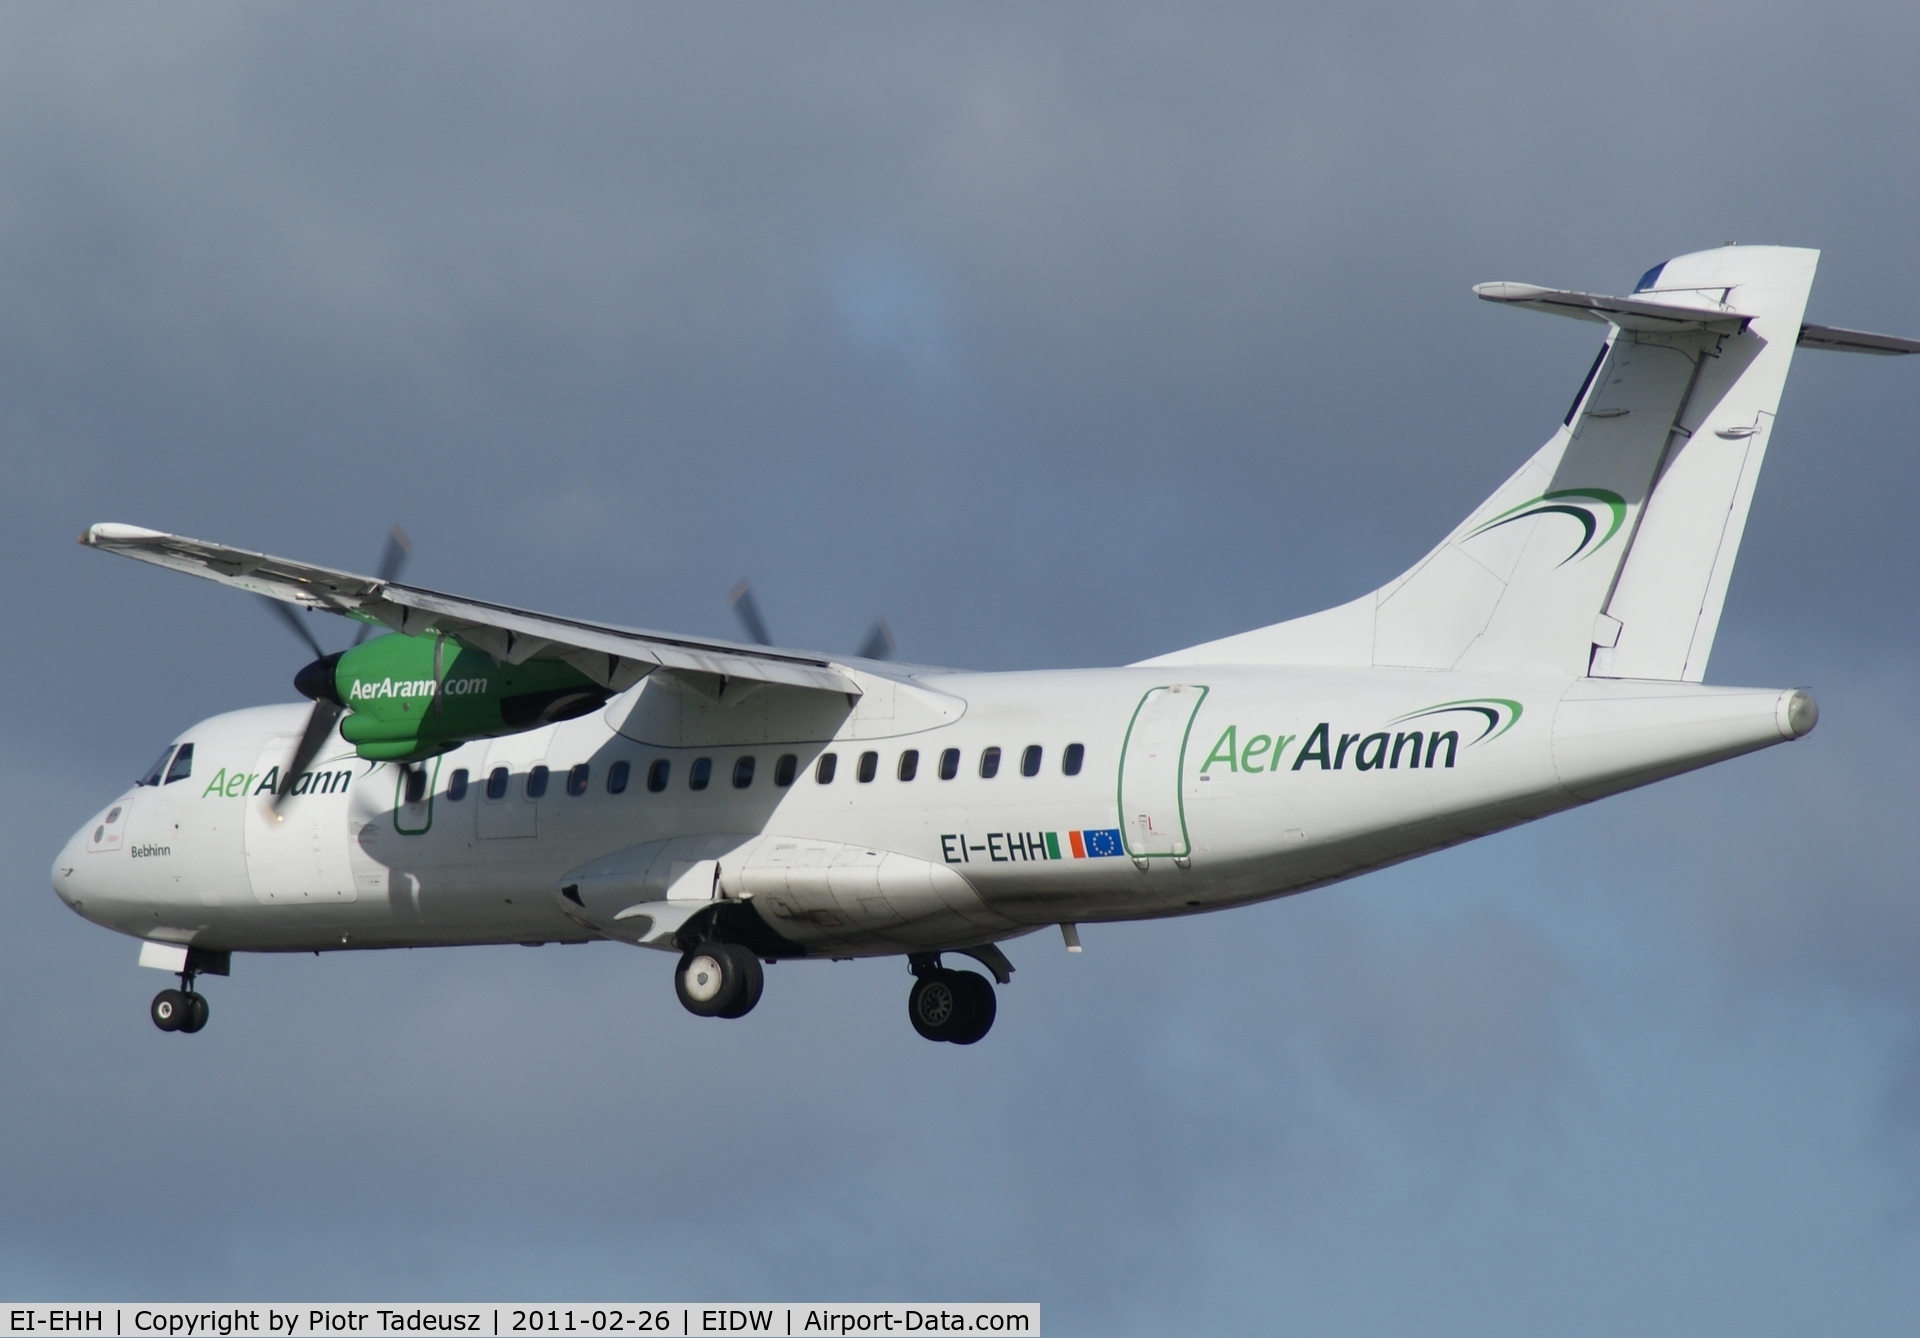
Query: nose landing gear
[[180, 1010], [185, 1009]]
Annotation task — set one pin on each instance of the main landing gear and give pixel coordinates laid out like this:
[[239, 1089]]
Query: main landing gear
[[717, 979], [720, 979], [944, 1005]]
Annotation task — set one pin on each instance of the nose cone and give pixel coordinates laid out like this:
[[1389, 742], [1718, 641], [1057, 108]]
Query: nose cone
[[316, 681]]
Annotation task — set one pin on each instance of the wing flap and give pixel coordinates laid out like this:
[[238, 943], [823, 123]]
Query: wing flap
[[615, 656]]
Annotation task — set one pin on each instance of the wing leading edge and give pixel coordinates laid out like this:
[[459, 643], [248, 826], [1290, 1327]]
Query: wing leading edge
[[615, 657]]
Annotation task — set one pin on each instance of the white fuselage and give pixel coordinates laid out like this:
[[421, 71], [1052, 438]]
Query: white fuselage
[[1179, 805]]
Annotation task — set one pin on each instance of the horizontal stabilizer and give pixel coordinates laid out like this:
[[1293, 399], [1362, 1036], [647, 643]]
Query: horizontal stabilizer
[[1855, 341], [1648, 313]]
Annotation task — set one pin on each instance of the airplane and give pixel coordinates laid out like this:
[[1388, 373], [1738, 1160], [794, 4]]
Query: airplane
[[483, 774]]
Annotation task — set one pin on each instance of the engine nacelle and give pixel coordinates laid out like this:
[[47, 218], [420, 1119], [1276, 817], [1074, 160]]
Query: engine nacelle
[[412, 697]]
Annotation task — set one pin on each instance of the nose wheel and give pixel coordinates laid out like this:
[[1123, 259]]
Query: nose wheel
[[179, 1010], [183, 1009]]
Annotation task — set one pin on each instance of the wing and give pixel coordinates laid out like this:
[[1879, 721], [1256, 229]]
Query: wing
[[615, 657]]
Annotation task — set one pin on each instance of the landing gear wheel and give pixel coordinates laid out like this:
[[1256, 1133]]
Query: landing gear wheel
[[169, 1010], [953, 1006], [932, 1004], [710, 980], [977, 991], [752, 980], [196, 1014]]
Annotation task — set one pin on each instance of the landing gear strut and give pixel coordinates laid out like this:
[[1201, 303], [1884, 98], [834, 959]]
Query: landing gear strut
[[944, 1005], [182, 1009], [717, 979]]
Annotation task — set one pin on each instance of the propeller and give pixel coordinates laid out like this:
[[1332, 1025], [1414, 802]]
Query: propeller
[[879, 644], [392, 558], [749, 612], [316, 679], [285, 613]]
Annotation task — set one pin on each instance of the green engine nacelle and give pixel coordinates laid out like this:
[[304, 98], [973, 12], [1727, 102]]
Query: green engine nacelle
[[401, 708]]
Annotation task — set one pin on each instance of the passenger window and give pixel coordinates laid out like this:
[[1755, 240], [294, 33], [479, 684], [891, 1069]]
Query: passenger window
[[617, 777], [182, 764], [577, 779], [869, 767], [742, 772], [785, 769], [497, 783], [909, 764], [657, 775], [416, 783], [1071, 759], [824, 769], [536, 782], [457, 785], [1030, 760], [989, 763], [158, 769], [702, 773], [950, 764]]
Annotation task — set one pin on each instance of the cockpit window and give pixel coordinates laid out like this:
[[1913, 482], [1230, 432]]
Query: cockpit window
[[182, 764], [158, 769]]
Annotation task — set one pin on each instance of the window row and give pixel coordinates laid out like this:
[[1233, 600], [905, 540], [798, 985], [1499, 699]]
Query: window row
[[700, 774]]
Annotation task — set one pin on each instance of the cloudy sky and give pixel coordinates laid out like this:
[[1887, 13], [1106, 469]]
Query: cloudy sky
[[1060, 335]]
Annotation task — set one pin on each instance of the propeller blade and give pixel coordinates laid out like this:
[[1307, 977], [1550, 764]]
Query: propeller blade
[[285, 613], [399, 548], [743, 604], [879, 643], [320, 722]]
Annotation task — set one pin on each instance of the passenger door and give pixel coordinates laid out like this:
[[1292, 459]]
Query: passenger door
[[1152, 812]]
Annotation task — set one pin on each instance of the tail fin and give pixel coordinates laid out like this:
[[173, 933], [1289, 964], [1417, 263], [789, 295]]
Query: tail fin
[[1609, 552]]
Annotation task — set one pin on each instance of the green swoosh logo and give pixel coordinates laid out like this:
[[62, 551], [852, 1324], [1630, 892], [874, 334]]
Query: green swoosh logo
[[1586, 505], [1500, 713]]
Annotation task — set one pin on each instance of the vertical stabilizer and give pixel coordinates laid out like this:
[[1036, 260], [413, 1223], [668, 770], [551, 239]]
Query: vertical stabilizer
[[1607, 553], [1667, 601]]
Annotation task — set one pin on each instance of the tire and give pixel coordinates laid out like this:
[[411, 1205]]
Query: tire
[[196, 1016], [708, 980], [939, 1005], [752, 980], [168, 1010], [982, 1005]]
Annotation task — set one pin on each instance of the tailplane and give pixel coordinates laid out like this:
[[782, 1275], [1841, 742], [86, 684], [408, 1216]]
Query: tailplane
[[1609, 552]]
